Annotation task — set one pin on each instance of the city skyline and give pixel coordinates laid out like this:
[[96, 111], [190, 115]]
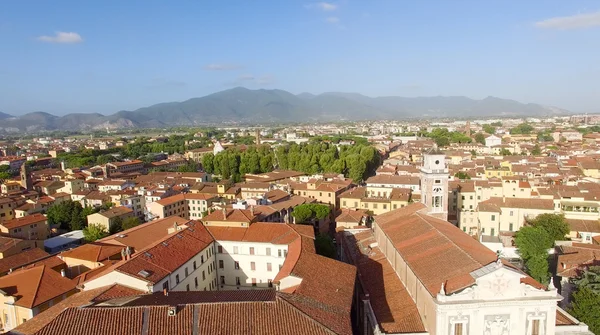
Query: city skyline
[[83, 58]]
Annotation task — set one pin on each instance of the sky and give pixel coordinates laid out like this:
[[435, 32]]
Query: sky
[[104, 56]]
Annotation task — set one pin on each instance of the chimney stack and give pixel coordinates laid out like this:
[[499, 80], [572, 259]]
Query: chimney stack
[[252, 211], [224, 214], [63, 273], [165, 292]]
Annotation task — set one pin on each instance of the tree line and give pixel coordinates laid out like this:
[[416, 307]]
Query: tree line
[[356, 161]]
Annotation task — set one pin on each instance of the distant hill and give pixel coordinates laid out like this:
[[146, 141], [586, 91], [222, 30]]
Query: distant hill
[[242, 105]]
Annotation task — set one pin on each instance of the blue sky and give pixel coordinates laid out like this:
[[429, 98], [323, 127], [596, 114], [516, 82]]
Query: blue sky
[[104, 56]]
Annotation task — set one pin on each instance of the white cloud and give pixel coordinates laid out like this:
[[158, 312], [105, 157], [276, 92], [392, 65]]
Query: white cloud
[[249, 79], [265, 80], [578, 21], [62, 37], [246, 77], [324, 6], [221, 67], [333, 19]]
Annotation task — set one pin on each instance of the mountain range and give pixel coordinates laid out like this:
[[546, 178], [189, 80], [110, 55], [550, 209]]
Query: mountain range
[[242, 105]]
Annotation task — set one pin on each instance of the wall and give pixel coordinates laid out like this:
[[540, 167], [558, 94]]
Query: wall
[[243, 256]]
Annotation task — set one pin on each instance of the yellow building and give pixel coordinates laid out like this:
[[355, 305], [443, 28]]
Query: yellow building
[[26, 293], [231, 218], [109, 217], [188, 206], [10, 187], [325, 192], [30, 227], [7, 209], [358, 198], [196, 155]]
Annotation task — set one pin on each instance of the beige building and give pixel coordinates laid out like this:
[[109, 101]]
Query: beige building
[[30, 227], [108, 217], [358, 198], [196, 155], [188, 206], [26, 293], [323, 191], [7, 209]]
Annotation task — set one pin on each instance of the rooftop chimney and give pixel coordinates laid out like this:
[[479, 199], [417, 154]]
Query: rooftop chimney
[[224, 214], [165, 292], [252, 211], [63, 273]]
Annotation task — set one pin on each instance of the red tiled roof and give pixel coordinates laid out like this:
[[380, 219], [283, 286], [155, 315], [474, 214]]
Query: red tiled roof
[[22, 258], [93, 252], [24, 221], [232, 318], [436, 251], [35, 286], [394, 308], [78, 299], [169, 254]]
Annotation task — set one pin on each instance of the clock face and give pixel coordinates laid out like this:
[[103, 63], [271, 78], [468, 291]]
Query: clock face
[[437, 162]]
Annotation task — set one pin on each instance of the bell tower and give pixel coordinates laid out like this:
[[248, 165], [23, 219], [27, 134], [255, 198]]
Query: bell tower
[[434, 183], [26, 177]]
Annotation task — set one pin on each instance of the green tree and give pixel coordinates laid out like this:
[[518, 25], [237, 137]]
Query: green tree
[[77, 222], [442, 141], [585, 306], [302, 214], [590, 278], [94, 232], [462, 175], [480, 138], [505, 152], [496, 124], [116, 226], [489, 129], [537, 268], [554, 224], [61, 214], [130, 222], [536, 151], [324, 246], [208, 163], [523, 128], [533, 244]]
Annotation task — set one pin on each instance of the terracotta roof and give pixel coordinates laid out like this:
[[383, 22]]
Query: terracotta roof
[[21, 259], [563, 319], [276, 195], [399, 180], [35, 286], [232, 215], [78, 299], [351, 215], [262, 232], [93, 252], [572, 258], [241, 317], [547, 204], [394, 308], [437, 251], [169, 254], [588, 226], [115, 211], [24, 221], [143, 235], [8, 242]]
